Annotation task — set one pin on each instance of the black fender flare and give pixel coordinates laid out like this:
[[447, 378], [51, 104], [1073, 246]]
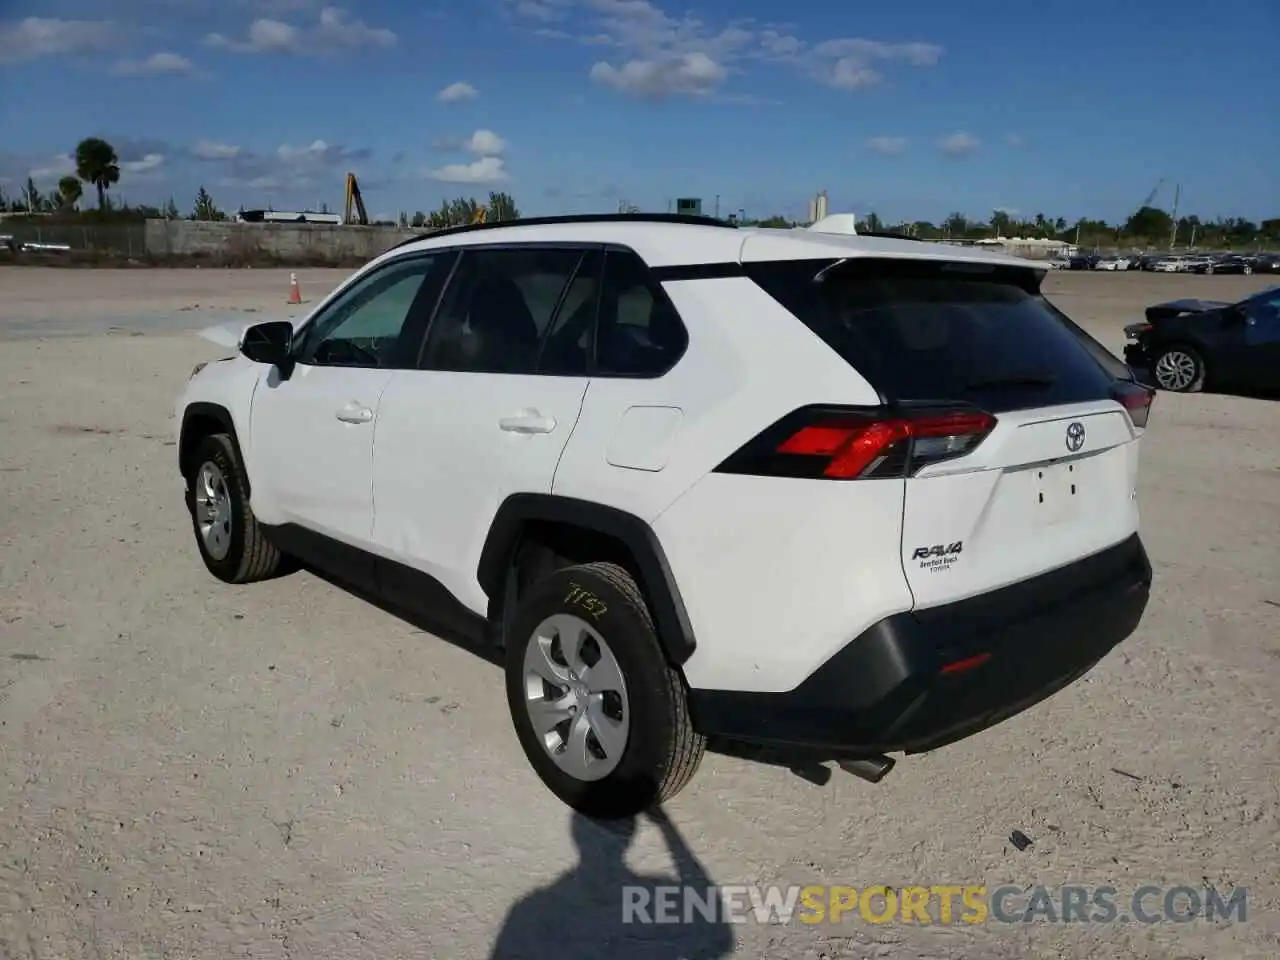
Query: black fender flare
[[657, 582], [202, 410]]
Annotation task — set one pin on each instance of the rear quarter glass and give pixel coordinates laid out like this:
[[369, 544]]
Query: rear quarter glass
[[931, 332]]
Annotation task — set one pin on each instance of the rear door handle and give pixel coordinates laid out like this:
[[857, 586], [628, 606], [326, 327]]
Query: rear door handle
[[354, 413], [533, 422]]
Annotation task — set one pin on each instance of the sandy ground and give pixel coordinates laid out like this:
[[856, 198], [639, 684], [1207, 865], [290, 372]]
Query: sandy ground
[[283, 771]]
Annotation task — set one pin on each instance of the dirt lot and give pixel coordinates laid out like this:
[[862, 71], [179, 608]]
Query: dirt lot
[[276, 771]]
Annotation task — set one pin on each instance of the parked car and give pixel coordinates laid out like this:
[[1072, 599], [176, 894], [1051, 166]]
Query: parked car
[[1188, 344], [1112, 264], [1194, 264], [1267, 263], [676, 471], [1230, 264], [1168, 265], [1083, 261]]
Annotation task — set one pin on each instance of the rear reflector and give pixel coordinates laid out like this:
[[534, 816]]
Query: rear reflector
[[968, 663], [1137, 400], [852, 444]]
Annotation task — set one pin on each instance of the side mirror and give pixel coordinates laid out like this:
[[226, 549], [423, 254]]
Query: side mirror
[[270, 342]]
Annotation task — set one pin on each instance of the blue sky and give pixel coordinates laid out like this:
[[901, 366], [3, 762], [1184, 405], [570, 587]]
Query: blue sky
[[911, 109]]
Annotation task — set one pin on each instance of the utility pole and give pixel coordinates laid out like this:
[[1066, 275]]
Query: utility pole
[[717, 206], [1173, 237]]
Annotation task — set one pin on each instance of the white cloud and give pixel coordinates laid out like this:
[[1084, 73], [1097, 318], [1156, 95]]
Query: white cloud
[[318, 153], [333, 32], [484, 170], [157, 63], [486, 143], [887, 145], [457, 93], [857, 63], [209, 150], [693, 74], [146, 164], [848, 73], [265, 182], [54, 169], [288, 169], [958, 144], [916, 54], [545, 10], [37, 37], [662, 54], [483, 143]]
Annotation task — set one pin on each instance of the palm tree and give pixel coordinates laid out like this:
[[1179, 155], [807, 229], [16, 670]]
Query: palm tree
[[97, 163], [69, 192]]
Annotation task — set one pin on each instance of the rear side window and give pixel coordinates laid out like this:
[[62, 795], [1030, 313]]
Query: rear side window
[[932, 332], [639, 333]]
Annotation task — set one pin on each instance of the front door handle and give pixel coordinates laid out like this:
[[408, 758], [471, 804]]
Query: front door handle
[[354, 413], [530, 422]]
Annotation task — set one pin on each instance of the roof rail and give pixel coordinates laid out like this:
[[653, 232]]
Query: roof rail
[[888, 235], [686, 218]]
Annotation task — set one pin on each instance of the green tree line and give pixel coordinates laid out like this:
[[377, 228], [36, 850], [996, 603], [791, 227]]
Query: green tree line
[[97, 169], [1146, 227]]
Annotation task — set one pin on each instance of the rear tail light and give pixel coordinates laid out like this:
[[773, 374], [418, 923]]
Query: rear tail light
[[1137, 400], [860, 444]]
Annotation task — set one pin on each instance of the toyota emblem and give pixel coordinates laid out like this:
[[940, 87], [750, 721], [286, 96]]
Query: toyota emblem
[[1075, 436]]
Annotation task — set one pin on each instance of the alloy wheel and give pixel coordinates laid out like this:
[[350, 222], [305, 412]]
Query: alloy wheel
[[1175, 370]]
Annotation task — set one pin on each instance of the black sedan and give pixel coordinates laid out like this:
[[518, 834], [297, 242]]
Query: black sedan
[[1186, 344], [1226, 265]]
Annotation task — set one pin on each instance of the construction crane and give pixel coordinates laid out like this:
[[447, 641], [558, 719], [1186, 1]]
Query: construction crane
[[356, 201], [1151, 197]]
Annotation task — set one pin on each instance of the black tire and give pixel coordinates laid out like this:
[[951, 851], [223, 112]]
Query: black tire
[[250, 556], [662, 752], [1197, 381]]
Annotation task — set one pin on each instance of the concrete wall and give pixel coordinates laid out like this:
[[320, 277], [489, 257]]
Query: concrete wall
[[283, 241]]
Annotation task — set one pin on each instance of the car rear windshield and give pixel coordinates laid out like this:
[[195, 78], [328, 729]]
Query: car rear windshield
[[922, 331]]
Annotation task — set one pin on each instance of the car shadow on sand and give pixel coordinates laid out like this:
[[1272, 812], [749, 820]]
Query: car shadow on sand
[[600, 907], [444, 621]]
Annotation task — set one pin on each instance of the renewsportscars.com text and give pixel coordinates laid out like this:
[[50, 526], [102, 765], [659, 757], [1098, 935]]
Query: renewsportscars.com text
[[937, 904]]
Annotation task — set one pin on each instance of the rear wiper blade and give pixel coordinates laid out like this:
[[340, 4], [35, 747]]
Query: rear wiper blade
[[1027, 380]]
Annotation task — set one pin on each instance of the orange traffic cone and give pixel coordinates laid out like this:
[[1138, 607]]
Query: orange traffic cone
[[295, 292]]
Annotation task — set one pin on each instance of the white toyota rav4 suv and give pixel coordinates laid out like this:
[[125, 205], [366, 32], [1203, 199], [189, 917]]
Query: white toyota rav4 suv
[[843, 495]]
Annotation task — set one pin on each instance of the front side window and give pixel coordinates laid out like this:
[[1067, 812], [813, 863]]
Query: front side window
[[567, 343], [362, 328]]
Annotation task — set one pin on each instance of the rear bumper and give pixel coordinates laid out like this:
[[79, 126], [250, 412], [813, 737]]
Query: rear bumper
[[1135, 356], [887, 691]]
